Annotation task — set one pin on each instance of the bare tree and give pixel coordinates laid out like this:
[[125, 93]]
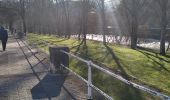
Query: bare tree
[[86, 6], [102, 10], [130, 11], [164, 10], [22, 13]]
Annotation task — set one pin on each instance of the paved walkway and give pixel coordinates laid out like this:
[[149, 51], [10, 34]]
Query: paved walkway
[[18, 81]]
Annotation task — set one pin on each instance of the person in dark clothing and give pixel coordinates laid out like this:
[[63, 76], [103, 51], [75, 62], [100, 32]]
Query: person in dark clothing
[[3, 37], [1, 33]]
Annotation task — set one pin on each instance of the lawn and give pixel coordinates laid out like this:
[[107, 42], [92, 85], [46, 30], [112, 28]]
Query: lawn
[[141, 66]]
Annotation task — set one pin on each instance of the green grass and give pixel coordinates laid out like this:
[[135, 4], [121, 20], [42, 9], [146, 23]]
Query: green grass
[[149, 68]]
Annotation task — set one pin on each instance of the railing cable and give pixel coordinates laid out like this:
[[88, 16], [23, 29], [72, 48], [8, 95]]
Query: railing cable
[[89, 63]]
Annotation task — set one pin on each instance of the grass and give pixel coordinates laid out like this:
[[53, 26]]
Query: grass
[[148, 68]]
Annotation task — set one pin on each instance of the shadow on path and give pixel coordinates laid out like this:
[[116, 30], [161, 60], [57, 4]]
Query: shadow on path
[[43, 88], [50, 86]]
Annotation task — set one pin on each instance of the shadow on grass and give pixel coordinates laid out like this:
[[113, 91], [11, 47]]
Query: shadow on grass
[[61, 40], [150, 53], [149, 56], [115, 88], [148, 49], [168, 55], [130, 93], [104, 57], [122, 92], [156, 52], [124, 74], [81, 49], [127, 92]]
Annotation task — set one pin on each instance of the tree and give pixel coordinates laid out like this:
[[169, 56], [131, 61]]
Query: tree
[[102, 7], [22, 13], [66, 11], [164, 10], [130, 13], [86, 6], [8, 13]]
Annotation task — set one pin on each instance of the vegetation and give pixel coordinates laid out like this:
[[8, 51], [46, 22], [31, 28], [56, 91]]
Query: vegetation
[[129, 22], [129, 18], [146, 67]]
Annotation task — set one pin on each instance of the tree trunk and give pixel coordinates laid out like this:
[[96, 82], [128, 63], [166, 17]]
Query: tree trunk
[[163, 26], [10, 26], [168, 46], [134, 32], [103, 21], [24, 25], [84, 19], [84, 39], [133, 40], [79, 34], [22, 14], [162, 42]]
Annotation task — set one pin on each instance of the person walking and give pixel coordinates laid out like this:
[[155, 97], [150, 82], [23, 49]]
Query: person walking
[[3, 37], [0, 33]]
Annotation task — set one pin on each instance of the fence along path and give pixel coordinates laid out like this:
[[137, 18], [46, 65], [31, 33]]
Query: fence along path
[[89, 81]]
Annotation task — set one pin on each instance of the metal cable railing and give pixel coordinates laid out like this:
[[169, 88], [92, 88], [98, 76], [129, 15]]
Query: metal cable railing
[[89, 81], [90, 85]]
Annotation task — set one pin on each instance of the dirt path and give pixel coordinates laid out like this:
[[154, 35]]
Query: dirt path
[[18, 81]]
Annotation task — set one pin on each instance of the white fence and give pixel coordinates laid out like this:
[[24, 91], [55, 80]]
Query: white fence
[[90, 85]]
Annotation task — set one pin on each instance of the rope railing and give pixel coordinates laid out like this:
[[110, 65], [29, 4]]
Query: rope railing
[[120, 78]]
